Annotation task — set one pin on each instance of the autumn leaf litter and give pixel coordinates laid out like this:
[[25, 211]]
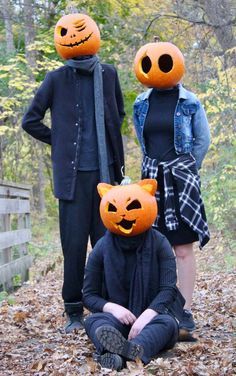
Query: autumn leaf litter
[[33, 341]]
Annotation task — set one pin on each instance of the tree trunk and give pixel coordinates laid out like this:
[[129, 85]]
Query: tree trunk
[[31, 59], [7, 13], [220, 16], [29, 31], [1, 159]]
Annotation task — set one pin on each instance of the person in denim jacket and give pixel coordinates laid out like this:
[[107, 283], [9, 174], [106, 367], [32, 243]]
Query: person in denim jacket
[[173, 132]]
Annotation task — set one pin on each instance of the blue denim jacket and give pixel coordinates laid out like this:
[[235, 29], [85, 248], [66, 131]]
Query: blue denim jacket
[[191, 129]]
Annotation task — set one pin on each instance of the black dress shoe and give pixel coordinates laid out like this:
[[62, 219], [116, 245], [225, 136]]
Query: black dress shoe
[[113, 341]]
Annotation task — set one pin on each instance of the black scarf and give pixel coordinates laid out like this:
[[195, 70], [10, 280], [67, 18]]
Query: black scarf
[[114, 266], [91, 64]]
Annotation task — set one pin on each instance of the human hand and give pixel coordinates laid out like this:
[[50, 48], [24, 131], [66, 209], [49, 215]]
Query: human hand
[[141, 322], [121, 313]]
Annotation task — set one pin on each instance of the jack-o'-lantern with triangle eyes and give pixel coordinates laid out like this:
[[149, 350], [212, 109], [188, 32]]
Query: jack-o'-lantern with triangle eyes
[[76, 35], [128, 210], [159, 65]]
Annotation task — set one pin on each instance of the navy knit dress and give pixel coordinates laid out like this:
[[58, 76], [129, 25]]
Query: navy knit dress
[[159, 141]]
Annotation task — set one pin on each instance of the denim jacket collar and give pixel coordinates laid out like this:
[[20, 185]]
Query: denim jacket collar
[[182, 92]]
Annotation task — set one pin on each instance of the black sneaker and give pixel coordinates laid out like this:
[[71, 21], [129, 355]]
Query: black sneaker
[[113, 341], [74, 321], [111, 361], [187, 322], [74, 314]]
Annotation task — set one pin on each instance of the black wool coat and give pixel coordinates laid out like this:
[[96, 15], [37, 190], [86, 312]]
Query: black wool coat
[[58, 92]]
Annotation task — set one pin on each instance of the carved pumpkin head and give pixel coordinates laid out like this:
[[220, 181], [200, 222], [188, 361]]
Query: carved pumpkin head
[[128, 210], [76, 35], [159, 65]]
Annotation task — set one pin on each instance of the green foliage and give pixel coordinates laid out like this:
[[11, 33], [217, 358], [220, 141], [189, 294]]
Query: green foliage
[[219, 176], [4, 296], [219, 191], [46, 237]]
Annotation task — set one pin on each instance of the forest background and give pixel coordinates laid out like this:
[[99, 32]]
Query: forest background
[[32, 339], [204, 31]]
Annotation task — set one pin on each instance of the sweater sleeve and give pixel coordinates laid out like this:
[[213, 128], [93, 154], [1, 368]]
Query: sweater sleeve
[[32, 120], [167, 285], [93, 280]]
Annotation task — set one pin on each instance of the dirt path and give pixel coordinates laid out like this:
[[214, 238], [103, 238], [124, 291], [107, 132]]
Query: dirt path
[[33, 342]]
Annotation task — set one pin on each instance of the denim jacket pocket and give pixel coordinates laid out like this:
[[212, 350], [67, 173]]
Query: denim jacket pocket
[[188, 112], [190, 109]]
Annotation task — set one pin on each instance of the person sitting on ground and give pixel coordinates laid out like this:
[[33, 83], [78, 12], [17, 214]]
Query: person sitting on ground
[[130, 280]]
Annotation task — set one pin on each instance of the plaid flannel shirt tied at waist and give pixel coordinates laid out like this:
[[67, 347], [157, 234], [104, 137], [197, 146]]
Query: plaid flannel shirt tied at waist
[[180, 171]]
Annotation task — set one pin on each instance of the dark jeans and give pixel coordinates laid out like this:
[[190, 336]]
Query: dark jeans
[[161, 333], [79, 220]]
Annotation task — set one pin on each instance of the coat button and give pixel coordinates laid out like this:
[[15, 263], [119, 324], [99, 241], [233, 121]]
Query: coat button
[[178, 114], [72, 162], [74, 143], [76, 124], [77, 105]]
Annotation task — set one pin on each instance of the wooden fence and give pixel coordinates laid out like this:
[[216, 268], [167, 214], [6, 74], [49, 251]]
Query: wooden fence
[[15, 233]]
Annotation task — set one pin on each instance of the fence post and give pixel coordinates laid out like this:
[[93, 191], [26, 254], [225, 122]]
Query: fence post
[[14, 232]]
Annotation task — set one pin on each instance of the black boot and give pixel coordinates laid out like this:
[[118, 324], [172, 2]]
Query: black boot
[[114, 342], [109, 360], [74, 313]]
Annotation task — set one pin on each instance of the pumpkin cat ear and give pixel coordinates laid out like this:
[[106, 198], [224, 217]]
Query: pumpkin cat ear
[[103, 188], [149, 185]]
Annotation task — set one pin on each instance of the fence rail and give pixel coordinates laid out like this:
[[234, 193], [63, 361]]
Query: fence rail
[[15, 233]]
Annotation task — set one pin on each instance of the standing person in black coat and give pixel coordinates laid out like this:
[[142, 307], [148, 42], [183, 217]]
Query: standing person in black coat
[[130, 280], [87, 111]]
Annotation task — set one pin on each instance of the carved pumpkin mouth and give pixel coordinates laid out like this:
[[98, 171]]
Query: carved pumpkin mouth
[[82, 41], [126, 226]]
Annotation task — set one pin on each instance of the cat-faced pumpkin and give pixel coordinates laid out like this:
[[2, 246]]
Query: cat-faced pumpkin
[[159, 65], [76, 35], [128, 210]]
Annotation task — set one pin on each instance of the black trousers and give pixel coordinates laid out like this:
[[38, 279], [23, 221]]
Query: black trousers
[[79, 219], [161, 333]]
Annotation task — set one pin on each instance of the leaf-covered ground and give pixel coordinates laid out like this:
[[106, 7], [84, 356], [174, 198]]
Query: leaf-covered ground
[[33, 341]]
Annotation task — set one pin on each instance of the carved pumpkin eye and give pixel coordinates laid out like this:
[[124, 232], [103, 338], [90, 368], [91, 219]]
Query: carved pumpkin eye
[[146, 64], [165, 63], [135, 204], [80, 28], [111, 207], [63, 31]]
